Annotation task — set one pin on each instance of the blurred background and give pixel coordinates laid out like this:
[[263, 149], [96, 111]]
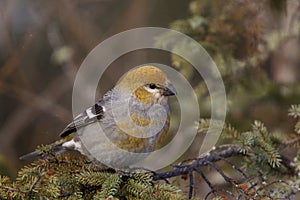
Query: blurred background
[[255, 45], [42, 46]]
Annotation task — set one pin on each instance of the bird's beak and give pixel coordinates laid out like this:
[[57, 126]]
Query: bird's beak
[[169, 90]]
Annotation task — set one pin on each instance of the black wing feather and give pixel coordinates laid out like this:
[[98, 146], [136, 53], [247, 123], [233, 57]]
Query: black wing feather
[[84, 119]]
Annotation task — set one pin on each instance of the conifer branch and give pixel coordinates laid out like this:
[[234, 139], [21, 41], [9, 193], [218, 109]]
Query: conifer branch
[[184, 169]]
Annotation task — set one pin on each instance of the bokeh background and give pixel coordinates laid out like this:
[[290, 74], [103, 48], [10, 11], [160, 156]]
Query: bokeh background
[[42, 44]]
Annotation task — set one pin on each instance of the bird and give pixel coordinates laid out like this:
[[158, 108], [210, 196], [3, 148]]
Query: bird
[[128, 123]]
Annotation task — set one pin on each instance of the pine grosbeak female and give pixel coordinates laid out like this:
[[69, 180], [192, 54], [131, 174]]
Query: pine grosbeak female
[[134, 117]]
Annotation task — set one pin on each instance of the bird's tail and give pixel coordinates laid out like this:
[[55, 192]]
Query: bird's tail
[[55, 148]]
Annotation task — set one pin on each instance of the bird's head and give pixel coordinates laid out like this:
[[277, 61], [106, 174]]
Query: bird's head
[[148, 84]]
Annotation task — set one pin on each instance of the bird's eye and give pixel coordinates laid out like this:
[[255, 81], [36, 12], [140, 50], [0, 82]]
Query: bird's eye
[[152, 86]]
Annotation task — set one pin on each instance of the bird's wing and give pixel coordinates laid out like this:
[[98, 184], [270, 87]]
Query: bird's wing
[[89, 116]]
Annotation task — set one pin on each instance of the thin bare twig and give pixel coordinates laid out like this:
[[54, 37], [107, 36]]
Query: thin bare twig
[[191, 186], [36, 181], [226, 178], [197, 163], [290, 142], [213, 189]]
